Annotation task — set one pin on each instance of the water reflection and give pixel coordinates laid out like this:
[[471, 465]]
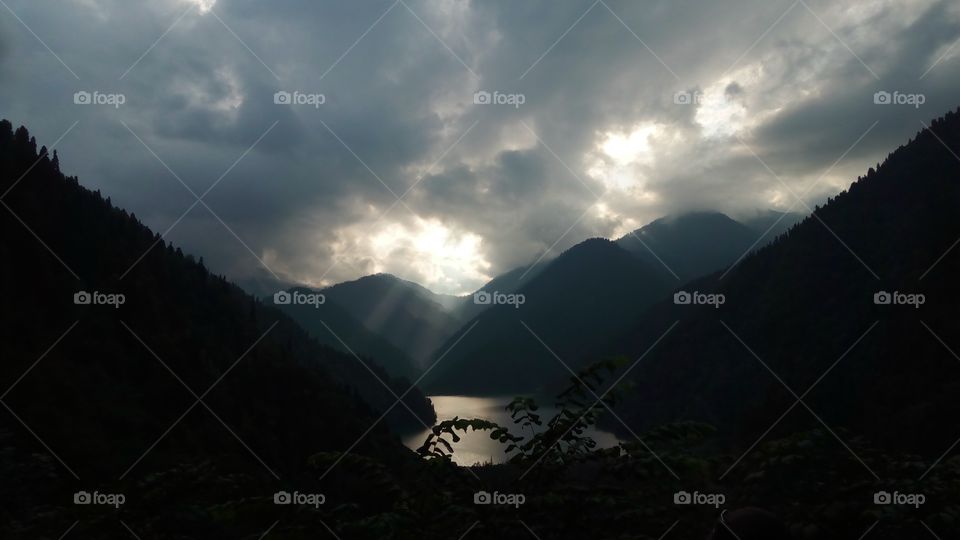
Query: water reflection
[[477, 446]]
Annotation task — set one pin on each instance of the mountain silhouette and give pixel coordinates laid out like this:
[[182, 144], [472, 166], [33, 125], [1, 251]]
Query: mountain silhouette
[[578, 302], [808, 310], [507, 282], [205, 403], [691, 245], [335, 327], [186, 361], [574, 305], [412, 318]]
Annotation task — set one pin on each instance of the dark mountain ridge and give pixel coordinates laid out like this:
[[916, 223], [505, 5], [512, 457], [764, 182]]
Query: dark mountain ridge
[[802, 303], [691, 244], [573, 306], [409, 316], [577, 303], [116, 370], [335, 327]]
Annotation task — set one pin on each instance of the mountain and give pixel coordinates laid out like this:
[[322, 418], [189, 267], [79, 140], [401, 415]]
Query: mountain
[[410, 317], [398, 322], [691, 245], [812, 305], [506, 283], [612, 283], [573, 305], [335, 327], [421, 323], [111, 336]]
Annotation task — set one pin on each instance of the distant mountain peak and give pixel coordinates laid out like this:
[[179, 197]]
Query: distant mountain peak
[[592, 243], [690, 244]]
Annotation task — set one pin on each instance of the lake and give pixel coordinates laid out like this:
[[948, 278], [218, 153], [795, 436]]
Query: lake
[[477, 446]]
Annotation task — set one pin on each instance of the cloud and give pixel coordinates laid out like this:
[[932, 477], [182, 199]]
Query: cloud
[[597, 146]]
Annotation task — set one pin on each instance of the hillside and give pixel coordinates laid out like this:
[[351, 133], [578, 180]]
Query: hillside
[[335, 327], [574, 306], [801, 305], [771, 223], [505, 283], [102, 392], [691, 245], [410, 317], [578, 305]]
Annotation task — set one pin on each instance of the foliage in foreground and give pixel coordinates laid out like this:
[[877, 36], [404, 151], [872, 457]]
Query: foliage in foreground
[[823, 484]]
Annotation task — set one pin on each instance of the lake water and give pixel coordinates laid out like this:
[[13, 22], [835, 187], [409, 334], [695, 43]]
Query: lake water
[[477, 446]]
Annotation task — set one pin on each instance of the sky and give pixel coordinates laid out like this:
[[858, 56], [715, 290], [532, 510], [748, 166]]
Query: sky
[[445, 142]]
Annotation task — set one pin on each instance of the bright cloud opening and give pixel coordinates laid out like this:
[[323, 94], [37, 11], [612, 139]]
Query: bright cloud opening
[[618, 155], [626, 148], [203, 5], [442, 259]]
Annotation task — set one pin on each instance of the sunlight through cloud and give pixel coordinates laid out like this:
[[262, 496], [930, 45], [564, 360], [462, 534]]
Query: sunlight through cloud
[[204, 6], [619, 154], [444, 259]]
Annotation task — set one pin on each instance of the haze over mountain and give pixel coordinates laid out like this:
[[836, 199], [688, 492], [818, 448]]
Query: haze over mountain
[[412, 318], [335, 327], [771, 223]]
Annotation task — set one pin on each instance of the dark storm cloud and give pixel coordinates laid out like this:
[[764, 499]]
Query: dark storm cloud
[[496, 184]]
